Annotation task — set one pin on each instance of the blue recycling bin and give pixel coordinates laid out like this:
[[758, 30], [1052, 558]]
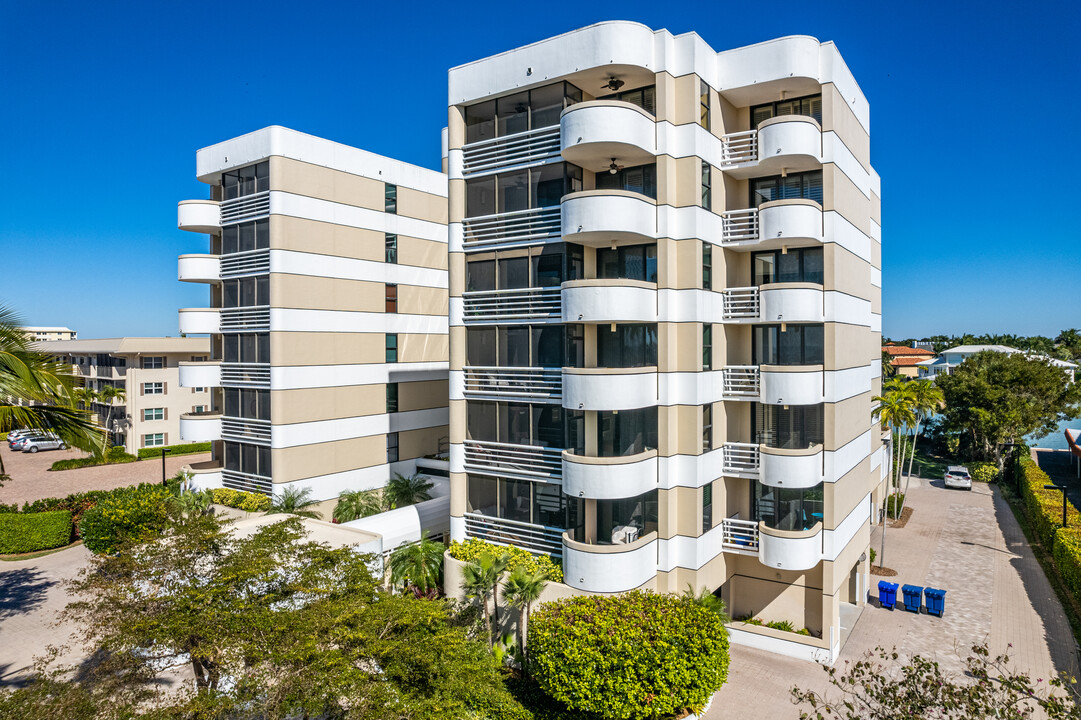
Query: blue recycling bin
[[935, 600], [887, 594], [913, 595]]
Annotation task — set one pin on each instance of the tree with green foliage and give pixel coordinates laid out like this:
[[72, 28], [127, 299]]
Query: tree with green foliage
[[997, 399], [520, 591], [926, 398], [894, 410], [404, 490], [355, 504], [888, 370], [295, 501], [418, 565], [879, 687], [629, 656], [480, 579], [109, 395]]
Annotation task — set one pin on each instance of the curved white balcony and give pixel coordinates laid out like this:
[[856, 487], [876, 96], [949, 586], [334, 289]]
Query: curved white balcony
[[609, 478], [792, 384], [790, 550], [788, 221], [608, 301], [791, 142], [594, 133], [791, 302], [200, 374], [200, 321], [200, 427], [609, 388], [609, 568], [201, 216], [205, 475], [198, 268], [793, 469], [599, 217]]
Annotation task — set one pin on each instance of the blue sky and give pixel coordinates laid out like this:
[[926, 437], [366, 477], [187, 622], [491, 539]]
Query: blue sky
[[105, 104]]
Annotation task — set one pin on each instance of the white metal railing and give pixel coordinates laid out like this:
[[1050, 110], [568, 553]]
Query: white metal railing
[[245, 430], [740, 225], [517, 149], [535, 538], [739, 534], [740, 303], [245, 318], [236, 480], [740, 381], [740, 458], [513, 382], [519, 304], [520, 227], [504, 459], [739, 147], [250, 262], [245, 375], [244, 208]]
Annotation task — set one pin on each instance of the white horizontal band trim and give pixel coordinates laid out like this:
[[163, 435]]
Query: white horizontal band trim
[[297, 320], [317, 376], [876, 368], [876, 231], [837, 229], [323, 431], [331, 485], [309, 208], [293, 262], [876, 277], [835, 151], [876, 322], [836, 540]]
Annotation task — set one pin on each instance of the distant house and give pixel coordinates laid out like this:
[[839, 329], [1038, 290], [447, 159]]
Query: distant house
[[950, 359], [48, 334], [905, 359]]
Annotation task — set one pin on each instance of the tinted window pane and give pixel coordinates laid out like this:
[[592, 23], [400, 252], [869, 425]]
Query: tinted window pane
[[514, 423], [812, 265], [513, 114], [548, 506], [514, 273], [481, 495], [480, 197], [548, 270], [480, 346], [516, 503], [547, 185], [548, 425], [548, 346], [480, 122], [230, 239], [514, 346], [480, 275], [813, 344], [513, 191], [481, 421], [546, 104]]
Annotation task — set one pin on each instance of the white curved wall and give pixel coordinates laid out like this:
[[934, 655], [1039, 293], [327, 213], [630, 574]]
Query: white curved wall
[[805, 387], [608, 303], [201, 216], [206, 480], [200, 374], [200, 428], [609, 571], [789, 140], [791, 304], [613, 213], [199, 321], [610, 482], [796, 219], [198, 268], [594, 132], [619, 390], [778, 469], [787, 553]]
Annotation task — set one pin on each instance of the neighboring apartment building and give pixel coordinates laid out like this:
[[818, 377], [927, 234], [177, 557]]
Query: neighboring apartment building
[[327, 313], [948, 360], [48, 334], [147, 369], [665, 319], [905, 360]]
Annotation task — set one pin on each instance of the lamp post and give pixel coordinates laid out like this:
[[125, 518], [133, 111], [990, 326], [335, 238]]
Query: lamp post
[[1062, 489], [164, 450]]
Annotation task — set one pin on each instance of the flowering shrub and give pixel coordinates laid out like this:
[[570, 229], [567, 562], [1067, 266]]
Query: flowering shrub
[[29, 532], [249, 502], [473, 548], [984, 471], [125, 514]]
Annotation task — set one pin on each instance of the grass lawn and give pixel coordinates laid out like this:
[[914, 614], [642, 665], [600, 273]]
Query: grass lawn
[[928, 465]]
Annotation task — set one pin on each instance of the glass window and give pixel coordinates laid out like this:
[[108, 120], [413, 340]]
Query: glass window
[[633, 262], [392, 397], [545, 105], [707, 265], [794, 427], [513, 191], [391, 298], [514, 423], [480, 196], [643, 97], [155, 362], [153, 413], [795, 186], [517, 190], [480, 122], [810, 106], [627, 346], [547, 185], [788, 509], [391, 242], [627, 519], [548, 505], [154, 440], [707, 186], [707, 346], [482, 495], [547, 346], [576, 346], [512, 114], [703, 104], [626, 432], [707, 428], [390, 199], [246, 180], [480, 275], [230, 239], [548, 426], [480, 346], [481, 421], [392, 348], [548, 269], [797, 265], [516, 502], [795, 345], [513, 273], [513, 346], [641, 179], [707, 507], [392, 447], [522, 111], [247, 237]]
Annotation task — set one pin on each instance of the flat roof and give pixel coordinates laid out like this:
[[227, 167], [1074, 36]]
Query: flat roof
[[125, 345]]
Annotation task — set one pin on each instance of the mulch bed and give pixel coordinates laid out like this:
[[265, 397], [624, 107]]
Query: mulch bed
[[903, 520], [883, 571]]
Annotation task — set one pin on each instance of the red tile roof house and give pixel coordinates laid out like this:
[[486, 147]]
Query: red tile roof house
[[905, 359]]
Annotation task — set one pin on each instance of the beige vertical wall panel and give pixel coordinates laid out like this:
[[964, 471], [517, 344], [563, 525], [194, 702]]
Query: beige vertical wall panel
[[322, 293], [679, 264], [679, 430], [679, 347], [314, 404], [421, 348], [312, 236], [420, 300], [421, 205], [309, 461], [841, 194], [837, 116], [848, 346], [876, 208], [876, 254], [457, 341], [842, 497], [666, 97], [847, 420], [418, 443], [456, 200], [685, 110], [457, 421], [421, 395], [422, 253], [301, 178], [456, 276], [688, 191], [846, 272], [737, 193], [323, 348]]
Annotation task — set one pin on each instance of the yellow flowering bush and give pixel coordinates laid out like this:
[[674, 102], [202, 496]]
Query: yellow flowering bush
[[249, 502], [126, 514], [473, 548]]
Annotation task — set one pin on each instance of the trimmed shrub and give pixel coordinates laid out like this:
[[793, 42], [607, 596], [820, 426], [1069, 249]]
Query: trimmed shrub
[[985, 472], [1067, 555], [249, 502], [894, 503], [130, 514], [114, 456], [473, 548], [636, 655], [76, 503], [185, 449], [30, 532], [1044, 507]]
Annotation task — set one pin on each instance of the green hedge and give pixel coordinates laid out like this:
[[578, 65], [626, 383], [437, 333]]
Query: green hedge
[[30, 532], [473, 548], [1044, 510], [125, 515], [114, 456], [186, 449], [251, 502], [636, 655], [76, 503]]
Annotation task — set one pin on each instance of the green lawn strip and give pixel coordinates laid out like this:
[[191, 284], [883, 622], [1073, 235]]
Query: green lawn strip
[[39, 553]]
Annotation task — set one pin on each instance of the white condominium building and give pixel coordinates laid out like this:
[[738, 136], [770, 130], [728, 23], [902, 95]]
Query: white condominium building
[[665, 319], [327, 318], [47, 334]]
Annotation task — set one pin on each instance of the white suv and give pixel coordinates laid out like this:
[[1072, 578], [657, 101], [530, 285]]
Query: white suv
[[957, 477]]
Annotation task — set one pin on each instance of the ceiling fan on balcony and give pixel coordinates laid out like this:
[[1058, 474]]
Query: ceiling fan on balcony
[[613, 84], [613, 168]]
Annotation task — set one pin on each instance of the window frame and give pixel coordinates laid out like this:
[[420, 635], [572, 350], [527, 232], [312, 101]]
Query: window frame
[[390, 242], [392, 397], [393, 447], [390, 344], [152, 414], [153, 362], [773, 108], [390, 297], [390, 198], [704, 104]]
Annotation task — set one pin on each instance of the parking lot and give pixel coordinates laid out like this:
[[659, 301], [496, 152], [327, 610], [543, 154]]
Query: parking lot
[[32, 480]]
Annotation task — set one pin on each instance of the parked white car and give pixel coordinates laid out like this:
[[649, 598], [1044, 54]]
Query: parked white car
[[36, 444], [957, 477]]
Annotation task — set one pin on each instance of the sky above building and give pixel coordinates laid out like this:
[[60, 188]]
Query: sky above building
[[105, 104]]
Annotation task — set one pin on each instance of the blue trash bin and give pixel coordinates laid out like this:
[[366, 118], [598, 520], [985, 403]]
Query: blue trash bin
[[887, 594], [913, 595], [936, 601]]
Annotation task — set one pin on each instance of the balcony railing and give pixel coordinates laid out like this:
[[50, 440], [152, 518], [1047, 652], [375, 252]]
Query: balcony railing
[[245, 375], [739, 148], [740, 226], [245, 318], [740, 303], [741, 458], [244, 208], [236, 480], [740, 381], [245, 430], [522, 461], [517, 304], [250, 262], [509, 229], [518, 149], [740, 534], [507, 382], [535, 538]]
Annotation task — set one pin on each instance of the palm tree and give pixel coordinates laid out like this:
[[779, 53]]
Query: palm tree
[[36, 392], [295, 502], [888, 370], [707, 600], [926, 399], [193, 503], [419, 564], [402, 490], [108, 395], [895, 411], [354, 504], [479, 580], [520, 591], [86, 396]]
